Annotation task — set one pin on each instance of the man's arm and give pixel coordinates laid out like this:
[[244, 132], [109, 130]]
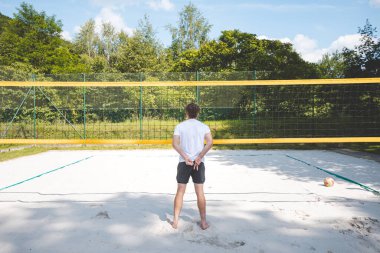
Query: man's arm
[[206, 148], [176, 145]]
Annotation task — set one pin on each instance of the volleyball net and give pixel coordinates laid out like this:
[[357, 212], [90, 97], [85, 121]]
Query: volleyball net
[[239, 107]]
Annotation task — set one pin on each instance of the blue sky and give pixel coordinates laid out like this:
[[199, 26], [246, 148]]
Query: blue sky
[[314, 27]]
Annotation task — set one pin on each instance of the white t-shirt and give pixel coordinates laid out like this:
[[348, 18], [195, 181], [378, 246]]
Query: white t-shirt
[[191, 133]]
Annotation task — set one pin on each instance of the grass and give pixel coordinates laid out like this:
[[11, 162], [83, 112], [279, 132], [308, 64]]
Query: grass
[[22, 152], [362, 147], [111, 147], [4, 156], [163, 129], [7, 146], [372, 148]]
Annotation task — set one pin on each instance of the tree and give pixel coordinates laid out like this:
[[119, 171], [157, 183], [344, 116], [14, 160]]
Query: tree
[[239, 51], [142, 52], [109, 40], [364, 60], [191, 32], [17, 72], [332, 65], [34, 38], [87, 40], [146, 33], [4, 20], [64, 61], [99, 50]]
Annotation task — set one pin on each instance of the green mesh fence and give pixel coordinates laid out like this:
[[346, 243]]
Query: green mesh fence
[[151, 112]]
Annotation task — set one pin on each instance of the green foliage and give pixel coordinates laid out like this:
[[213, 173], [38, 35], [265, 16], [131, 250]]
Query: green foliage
[[36, 35], [33, 38], [64, 61], [22, 152], [191, 31], [142, 52], [16, 72], [4, 20], [364, 60], [87, 40], [136, 56], [332, 66], [99, 64], [238, 51], [109, 41]]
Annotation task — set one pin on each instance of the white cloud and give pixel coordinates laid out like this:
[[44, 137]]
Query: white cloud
[[310, 51], [308, 48], [375, 3], [77, 29], [263, 37], [110, 15], [166, 5], [66, 35], [283, 40], [349, 41]]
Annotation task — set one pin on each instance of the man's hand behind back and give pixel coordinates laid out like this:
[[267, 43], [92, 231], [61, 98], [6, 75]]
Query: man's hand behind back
[[188, 161]]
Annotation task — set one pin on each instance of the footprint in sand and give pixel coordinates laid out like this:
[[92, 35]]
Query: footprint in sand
[[188, 229], [197, 235], [236, 244], [103, 215]]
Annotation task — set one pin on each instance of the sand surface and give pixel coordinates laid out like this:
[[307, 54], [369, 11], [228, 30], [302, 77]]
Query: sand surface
[[120, 201]]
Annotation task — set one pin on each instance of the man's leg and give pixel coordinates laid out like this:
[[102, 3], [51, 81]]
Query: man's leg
[[178, 201], [201, 200]]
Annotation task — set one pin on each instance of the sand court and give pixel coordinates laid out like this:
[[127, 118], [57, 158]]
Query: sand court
[[257, 201]]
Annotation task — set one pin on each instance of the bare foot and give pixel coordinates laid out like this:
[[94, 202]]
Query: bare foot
[[173, 223], [204, 225]]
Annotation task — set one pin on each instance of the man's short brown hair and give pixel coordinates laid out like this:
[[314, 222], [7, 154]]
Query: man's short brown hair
[[192, 110]]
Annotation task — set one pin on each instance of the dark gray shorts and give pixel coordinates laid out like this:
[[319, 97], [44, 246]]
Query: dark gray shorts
[[185, 171]]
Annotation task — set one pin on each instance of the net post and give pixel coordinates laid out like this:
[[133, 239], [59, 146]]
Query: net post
[[34, 108], [313, 113], [140, 107], [254, 103], [84, 107], [197, 90]]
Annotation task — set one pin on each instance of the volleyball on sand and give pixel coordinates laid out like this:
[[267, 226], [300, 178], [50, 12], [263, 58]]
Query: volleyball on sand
[[328, 182]]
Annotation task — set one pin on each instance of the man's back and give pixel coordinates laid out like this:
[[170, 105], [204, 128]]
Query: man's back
[[192, 135]]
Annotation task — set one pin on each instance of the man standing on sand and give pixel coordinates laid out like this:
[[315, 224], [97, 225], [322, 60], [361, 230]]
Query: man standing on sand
[[188, 141]]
